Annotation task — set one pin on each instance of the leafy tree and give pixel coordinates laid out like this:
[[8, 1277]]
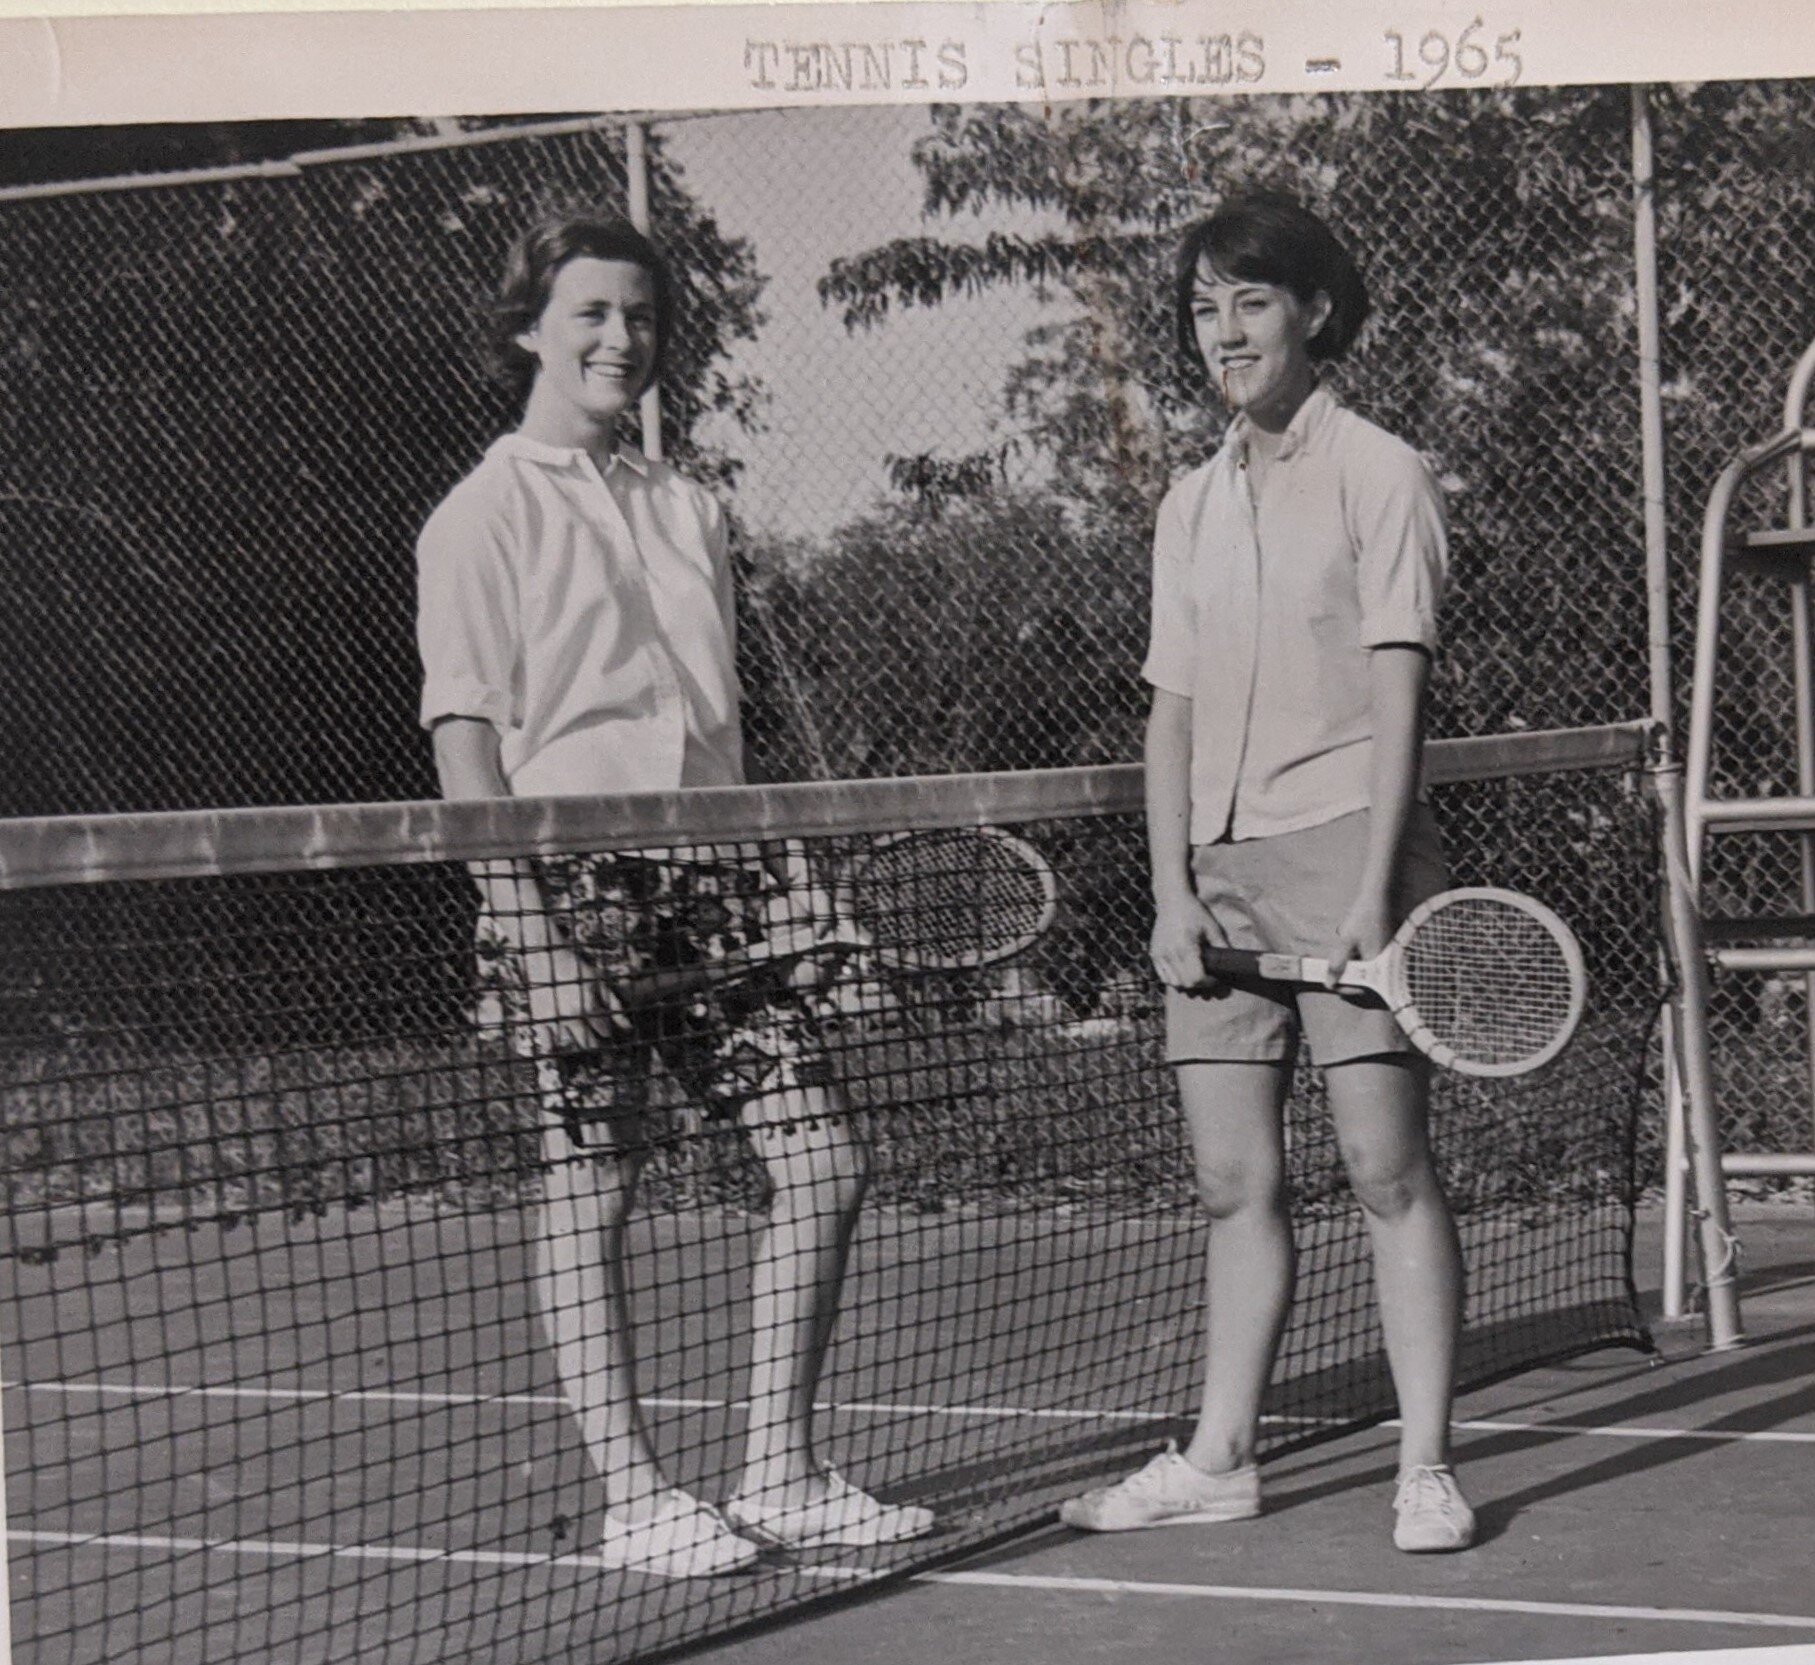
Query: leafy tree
[[1495, 230], [953, 635]]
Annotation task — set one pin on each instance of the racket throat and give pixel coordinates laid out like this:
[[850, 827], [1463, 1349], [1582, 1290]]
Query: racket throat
[[1367, 976]]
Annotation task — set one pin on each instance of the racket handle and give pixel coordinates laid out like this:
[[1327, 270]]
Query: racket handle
[[1245, 962], [649, 988]]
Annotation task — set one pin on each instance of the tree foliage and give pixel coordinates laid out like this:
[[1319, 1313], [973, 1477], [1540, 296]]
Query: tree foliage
[[1496, 233], [951, 634]]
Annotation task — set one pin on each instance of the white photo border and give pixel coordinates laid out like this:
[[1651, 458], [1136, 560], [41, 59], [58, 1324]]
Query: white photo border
[[224, 65]]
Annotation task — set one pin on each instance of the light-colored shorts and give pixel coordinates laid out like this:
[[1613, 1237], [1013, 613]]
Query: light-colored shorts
[[1289, 894], [726, 1045]]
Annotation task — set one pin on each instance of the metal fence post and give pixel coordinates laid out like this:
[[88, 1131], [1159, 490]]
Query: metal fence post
[[636, 169], [1657, 636], [1698, 1132]]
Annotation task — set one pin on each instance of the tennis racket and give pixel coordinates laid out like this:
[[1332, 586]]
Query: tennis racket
[[1484, 982], [942, 899]]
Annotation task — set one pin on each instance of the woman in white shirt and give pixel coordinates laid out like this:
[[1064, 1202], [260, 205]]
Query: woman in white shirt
[[577, 635], [1296, 581]]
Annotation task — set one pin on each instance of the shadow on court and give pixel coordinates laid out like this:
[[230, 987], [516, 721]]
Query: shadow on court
[[1628, 1505], [338, 1438]]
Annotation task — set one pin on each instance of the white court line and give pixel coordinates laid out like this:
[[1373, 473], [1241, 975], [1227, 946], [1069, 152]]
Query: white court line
[[1636, 1431], [1001, 1413], [147, 1390], [1369, 1598], [302, 1550], [1792, 1653], [292, 1551]]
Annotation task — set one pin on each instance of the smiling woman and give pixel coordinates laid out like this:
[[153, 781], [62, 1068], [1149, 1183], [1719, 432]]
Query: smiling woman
[[575, 619], [1295, 590], [594, 348]]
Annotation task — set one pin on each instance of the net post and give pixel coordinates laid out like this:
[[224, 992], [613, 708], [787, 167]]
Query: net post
[[1676, 1176], [1698, 1126], [1657, 619]]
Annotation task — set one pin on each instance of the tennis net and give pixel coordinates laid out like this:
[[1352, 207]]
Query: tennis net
[[279, 1206]]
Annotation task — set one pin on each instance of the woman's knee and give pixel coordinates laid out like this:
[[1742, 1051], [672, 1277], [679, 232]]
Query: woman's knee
[[1227, 1189], [1388, 1182], [1232, 1116], [814, 1157], [1381, 1111], [589, 1195]]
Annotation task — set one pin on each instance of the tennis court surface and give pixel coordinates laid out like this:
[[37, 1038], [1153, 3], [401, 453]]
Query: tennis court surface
[[277, 1385], [1629, 1505]]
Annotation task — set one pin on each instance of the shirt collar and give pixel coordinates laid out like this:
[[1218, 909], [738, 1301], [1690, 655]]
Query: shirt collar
[[558, 456], [1300, 431]]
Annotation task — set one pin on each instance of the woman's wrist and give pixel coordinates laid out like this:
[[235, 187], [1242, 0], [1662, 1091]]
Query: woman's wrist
[[1175, 894]]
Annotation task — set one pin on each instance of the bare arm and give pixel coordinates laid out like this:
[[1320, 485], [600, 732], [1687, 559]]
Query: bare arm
[[788, 860], [801, 920], [1397, 675], [1182, 926], [563, 996]]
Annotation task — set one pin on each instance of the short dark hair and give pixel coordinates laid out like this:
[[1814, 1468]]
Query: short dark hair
[[1264, 237], [529, 276]]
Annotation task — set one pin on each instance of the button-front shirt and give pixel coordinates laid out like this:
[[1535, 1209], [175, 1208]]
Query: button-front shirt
[[1267, 601], [587, 615]]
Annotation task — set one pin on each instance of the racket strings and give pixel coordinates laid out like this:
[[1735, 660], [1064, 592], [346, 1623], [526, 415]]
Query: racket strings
[[950, 898], [1490, 980]]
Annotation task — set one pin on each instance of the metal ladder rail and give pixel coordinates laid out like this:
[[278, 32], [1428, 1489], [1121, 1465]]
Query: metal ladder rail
[[1789, 551]]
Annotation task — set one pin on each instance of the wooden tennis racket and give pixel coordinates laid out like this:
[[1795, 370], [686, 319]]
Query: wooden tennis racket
[[942, 899], [1485, 982]]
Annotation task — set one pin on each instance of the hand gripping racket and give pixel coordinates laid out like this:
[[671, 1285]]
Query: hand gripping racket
[[1485, 982], [941, 899]]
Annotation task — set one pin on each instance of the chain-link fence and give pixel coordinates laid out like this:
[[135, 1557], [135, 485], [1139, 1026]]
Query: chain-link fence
[[927, 357], [1738, 167]]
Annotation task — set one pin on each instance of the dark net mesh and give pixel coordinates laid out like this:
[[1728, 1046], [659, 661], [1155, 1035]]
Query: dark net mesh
[[285, 1217], [928, 354], [1736, 194]]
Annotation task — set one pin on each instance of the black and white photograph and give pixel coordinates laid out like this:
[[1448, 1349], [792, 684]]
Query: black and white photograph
[[665, 765]]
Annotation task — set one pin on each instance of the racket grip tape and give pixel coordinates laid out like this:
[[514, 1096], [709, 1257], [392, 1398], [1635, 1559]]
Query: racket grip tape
[[1246, 962]]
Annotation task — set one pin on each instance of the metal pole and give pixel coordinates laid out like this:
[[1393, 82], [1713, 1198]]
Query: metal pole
[[1794, 412], [1699, 1131], [1651, 419], [1657, 637], [636, 168], [1676, 1178]]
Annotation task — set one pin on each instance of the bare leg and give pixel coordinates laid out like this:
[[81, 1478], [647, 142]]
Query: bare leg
[[1380, 1108], [1233, 1115], [818, 1172], [580, 1282]]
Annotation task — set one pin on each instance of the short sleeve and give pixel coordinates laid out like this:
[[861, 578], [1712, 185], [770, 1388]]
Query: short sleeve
[[1172, 635], [1395, 513], [467, 627]]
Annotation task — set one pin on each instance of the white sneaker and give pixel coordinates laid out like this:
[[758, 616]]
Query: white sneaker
[[847, 1517], [684, 1538], [1168, 1492], [1432, 1517]]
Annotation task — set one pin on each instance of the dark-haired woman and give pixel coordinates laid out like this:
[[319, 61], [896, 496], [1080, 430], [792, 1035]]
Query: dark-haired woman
[[577, 636], [1297, 576]]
